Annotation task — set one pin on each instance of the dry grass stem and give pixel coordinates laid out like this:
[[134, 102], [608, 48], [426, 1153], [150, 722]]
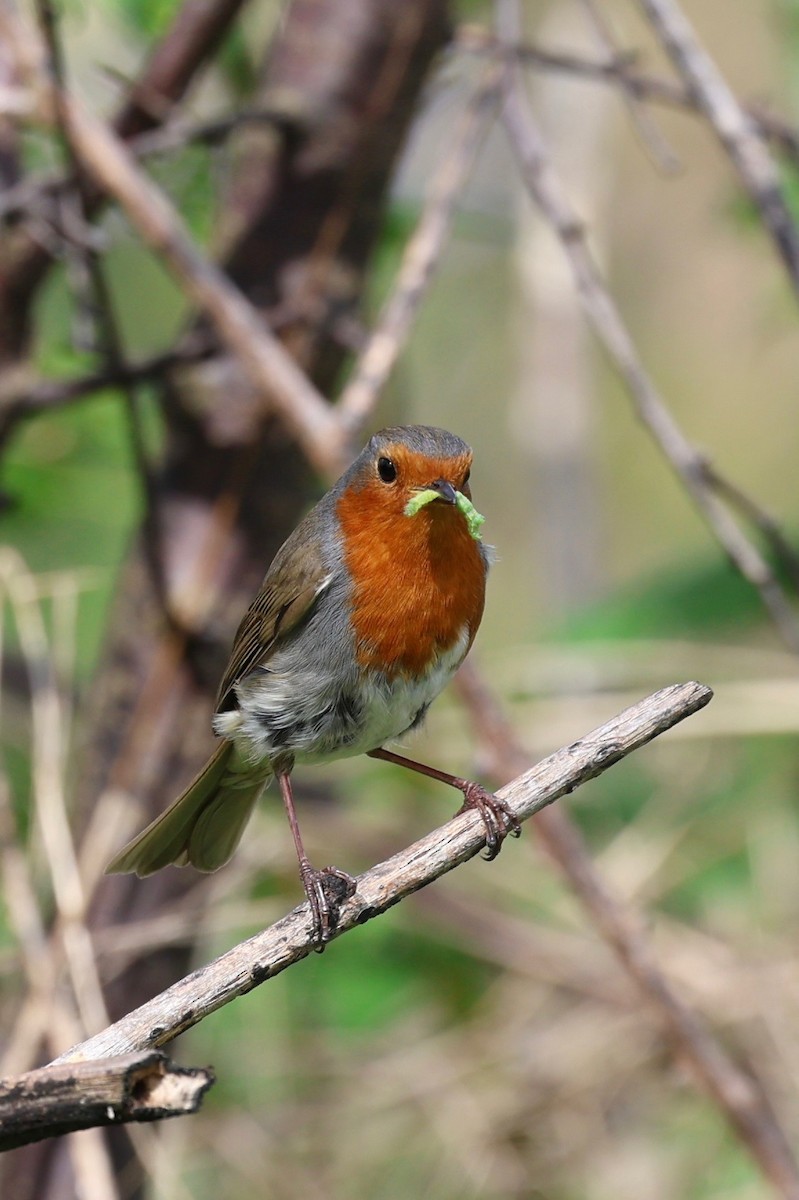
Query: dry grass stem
[[49, 752], [48, 1017]]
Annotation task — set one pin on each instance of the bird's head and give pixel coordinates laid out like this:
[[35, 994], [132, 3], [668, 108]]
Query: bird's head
[[414, 469]]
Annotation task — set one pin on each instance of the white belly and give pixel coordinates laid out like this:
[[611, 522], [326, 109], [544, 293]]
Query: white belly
[[307, 715]]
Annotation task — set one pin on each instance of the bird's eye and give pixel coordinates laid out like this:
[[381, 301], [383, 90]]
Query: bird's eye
[[386, 470]]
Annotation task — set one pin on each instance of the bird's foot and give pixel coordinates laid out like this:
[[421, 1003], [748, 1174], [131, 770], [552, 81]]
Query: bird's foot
[[498, 819], [327, 889]]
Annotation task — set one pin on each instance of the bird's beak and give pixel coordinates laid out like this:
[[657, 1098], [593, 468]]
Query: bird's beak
[[445, 490]]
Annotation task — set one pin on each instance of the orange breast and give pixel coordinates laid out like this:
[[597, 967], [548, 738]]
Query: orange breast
[[417, 581]]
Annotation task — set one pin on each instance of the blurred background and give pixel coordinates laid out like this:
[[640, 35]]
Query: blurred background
[[481, 1039]]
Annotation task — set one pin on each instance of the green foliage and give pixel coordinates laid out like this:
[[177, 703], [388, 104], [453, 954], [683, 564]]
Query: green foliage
[[149, 18], [72, 501], [287, 1055], [686, 600]]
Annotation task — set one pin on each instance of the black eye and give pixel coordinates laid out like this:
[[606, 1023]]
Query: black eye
[[386, 470]]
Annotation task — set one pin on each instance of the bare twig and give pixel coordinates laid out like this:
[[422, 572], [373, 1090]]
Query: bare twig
[[102, 311], [39, 192], [734, 127], [643, 85], [48, 788], [194, 35], [44, 1011], [546, 189], [420, 258], [196, 30], [23, 394], [784, 552], [55, 1100], [737, 1091], [36, 191], [290, 939], [650, 135], [270, 367], [210, 132], [49, 1014]]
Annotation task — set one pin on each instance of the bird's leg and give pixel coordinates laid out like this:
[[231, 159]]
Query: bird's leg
[[327, 888], [498, 819]]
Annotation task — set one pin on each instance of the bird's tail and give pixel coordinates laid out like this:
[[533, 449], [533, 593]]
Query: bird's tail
[[204, 825]]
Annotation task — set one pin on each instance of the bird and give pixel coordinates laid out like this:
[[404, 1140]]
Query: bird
[[364, 615]]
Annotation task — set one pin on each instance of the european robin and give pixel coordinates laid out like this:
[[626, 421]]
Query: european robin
[[367, 611]]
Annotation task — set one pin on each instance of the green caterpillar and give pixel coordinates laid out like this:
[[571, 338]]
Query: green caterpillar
[[474, 519]]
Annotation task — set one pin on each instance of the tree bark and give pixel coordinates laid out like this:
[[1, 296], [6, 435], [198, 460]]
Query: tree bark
[[142, 1086], [299, 224], [25, 261]]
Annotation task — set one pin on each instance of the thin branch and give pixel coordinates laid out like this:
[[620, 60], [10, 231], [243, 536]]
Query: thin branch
[[420, 258], [193, 37], [179, 133], [102, 311], [196, 31], [650, 135], [24, 395], [269, 366], [548, 193], [51, 1014], [48, 1013], [738, 1093], [55, 1100], [37, 193], [47, 755], [734, 128], [784, 552], [658, 89], [290, 939]]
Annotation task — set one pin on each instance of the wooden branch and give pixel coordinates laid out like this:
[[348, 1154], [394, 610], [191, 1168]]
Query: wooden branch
[[618, 71], [268, 953], [197, 29], [732, 125], [386, 340], [144, 1086], [645, 86], [547, 191], [282, 383]]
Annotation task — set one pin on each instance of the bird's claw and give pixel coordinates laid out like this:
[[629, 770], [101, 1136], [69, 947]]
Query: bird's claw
[[327, 889], [498, 819]]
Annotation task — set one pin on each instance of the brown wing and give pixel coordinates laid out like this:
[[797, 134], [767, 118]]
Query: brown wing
[[292, 583]]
